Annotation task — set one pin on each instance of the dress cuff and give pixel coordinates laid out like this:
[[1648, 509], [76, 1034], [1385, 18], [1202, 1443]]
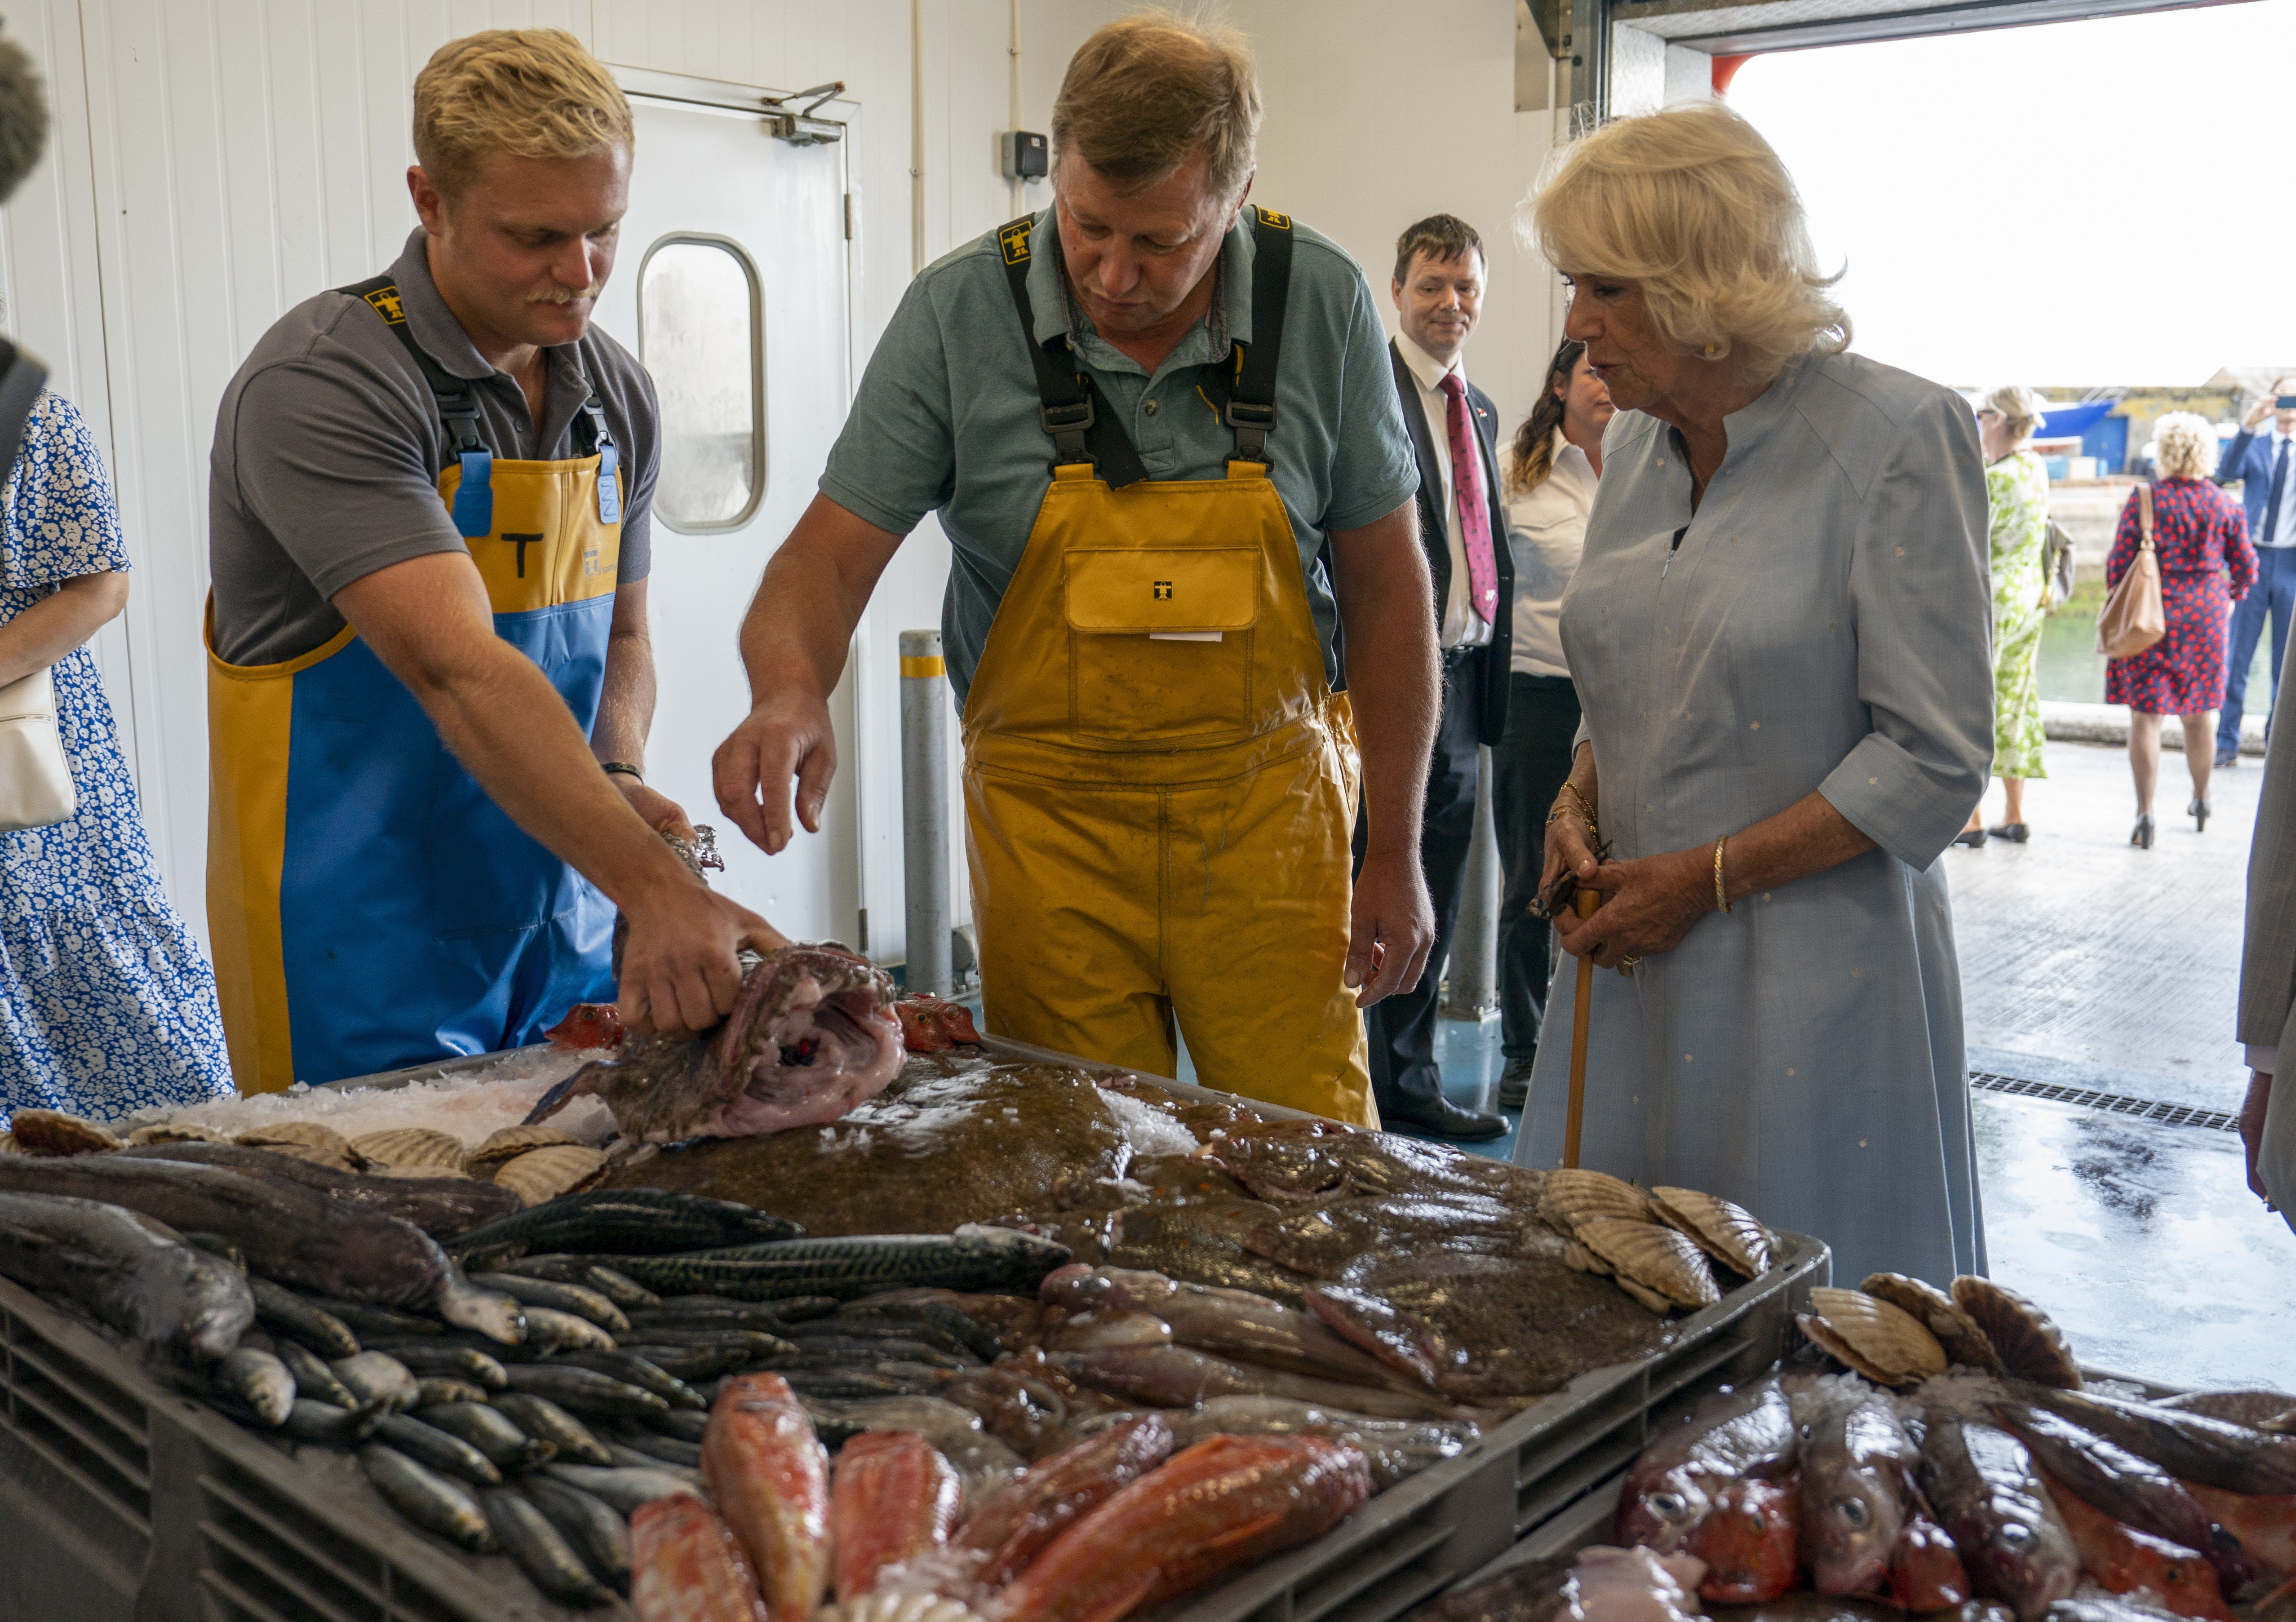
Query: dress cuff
[[2261, 1057], [1910, 810]]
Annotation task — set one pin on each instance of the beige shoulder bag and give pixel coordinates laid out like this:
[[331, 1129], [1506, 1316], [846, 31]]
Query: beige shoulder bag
[[36, 784], [2132, 618]]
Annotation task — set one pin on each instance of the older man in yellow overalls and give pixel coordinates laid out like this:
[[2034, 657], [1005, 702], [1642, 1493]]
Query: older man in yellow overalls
[[1160, 432]]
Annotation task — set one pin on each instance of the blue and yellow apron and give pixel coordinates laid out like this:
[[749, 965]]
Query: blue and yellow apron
[[371, 907]]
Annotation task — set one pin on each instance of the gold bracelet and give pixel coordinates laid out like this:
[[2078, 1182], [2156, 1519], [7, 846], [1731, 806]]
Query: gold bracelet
[[1586, 808], [1721, 895]]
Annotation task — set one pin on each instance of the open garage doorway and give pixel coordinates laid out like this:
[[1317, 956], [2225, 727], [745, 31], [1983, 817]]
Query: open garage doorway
[[2086, 207]]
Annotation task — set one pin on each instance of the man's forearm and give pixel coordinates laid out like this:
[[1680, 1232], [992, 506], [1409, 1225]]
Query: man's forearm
[[1385, 609], [626, 704], [799, 626]]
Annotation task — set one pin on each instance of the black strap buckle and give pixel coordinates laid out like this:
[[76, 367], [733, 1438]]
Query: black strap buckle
[[1070, 424], [1251, 422], [459, 412]]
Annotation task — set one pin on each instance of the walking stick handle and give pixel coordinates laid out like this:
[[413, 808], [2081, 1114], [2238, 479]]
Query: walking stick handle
[[1585, 902]]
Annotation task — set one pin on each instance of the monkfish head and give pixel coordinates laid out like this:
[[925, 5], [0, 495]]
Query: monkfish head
[[812, 1035]]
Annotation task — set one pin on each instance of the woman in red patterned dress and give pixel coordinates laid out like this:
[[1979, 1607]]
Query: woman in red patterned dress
[[2206, 565]]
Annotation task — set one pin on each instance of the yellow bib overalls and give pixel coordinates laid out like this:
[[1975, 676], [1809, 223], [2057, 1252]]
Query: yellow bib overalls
[[1160, 786]]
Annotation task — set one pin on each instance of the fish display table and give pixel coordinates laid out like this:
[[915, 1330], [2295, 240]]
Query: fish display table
[[122, 1499]]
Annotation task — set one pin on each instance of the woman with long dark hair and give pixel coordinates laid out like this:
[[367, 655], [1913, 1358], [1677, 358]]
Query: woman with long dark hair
[[1550, 474]]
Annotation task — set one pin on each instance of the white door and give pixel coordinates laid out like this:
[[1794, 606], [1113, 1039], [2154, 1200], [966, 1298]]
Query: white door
[[731, 284]]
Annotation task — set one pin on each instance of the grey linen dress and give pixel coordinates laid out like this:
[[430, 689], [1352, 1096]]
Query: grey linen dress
[[1824, 625]]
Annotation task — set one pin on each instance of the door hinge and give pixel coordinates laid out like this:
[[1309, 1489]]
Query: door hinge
[[864, 932], [849, 217]]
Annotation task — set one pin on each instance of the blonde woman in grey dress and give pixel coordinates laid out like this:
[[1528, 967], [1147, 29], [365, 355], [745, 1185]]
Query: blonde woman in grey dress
[[1779, 634]]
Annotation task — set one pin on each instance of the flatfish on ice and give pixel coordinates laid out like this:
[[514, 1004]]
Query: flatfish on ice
[[950, 1142]]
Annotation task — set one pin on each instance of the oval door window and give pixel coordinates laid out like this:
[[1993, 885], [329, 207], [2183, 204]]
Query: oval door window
[[700, 333]]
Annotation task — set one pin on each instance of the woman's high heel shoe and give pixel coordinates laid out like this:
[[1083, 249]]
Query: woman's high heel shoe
[[2199, 812], [2142, 835]]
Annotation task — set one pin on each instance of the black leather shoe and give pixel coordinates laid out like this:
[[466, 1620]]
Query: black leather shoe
[[2227, 758], [1514, 1085], [1974, 838], [1439, 1118], [2016, 833], [2141, 836], [2200, 811]]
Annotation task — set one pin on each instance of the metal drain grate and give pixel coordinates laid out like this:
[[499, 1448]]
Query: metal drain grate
[[2119, 1103]]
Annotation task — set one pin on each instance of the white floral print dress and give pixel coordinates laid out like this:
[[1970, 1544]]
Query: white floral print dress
[[107, 1002]]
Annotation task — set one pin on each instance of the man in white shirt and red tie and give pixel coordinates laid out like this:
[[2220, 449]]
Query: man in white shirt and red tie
[[1439, 294]]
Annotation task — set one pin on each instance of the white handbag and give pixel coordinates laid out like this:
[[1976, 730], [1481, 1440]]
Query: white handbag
[[36, 783]]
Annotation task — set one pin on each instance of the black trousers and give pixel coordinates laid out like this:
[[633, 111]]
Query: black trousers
[[1402, 1027], [1528, 770]]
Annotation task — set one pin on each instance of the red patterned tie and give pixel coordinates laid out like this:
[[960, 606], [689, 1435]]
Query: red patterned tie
[[1467, 491]]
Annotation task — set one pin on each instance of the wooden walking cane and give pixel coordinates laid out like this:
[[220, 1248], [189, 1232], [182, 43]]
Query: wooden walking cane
[[1586, 901]]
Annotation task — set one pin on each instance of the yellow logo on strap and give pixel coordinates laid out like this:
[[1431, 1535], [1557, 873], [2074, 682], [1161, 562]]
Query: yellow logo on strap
[[386, 305], [1013, 239], [1271, 218]]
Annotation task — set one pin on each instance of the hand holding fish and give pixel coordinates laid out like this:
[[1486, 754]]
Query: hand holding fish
[[678, 968]]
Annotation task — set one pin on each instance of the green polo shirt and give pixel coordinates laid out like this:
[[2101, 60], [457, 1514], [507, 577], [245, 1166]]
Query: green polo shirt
[[945, 418]]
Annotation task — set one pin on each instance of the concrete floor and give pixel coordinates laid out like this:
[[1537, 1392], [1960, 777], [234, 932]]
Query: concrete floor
[[2091, 964]]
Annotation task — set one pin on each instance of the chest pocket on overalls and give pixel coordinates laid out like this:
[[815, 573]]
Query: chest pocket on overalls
[[1160, 641]]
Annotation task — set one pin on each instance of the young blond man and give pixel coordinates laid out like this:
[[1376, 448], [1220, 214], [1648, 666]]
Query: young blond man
[[430, 681]]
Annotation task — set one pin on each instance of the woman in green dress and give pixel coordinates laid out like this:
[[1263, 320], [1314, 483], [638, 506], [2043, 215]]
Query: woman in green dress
[[2017, 494]]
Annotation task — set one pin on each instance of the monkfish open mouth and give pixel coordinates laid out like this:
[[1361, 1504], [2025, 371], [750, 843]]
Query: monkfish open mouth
[[846, 1029]]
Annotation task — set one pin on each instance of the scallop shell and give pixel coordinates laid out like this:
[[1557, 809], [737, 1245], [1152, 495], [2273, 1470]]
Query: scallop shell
[[1656, 1258], [1956, 1330], [1727, 1233], [8, 1143], [427, 1174], [52, 1132], [170, 1132], [1828, 1340], [546, 1172], [406, 1148], [511, 1143], [1579, 1258], [2025, 1339], [1891, 1344], [306, 1141], [1573, 1196]]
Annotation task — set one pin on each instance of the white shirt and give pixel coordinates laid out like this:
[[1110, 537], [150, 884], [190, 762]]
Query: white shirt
[[1546, 530], [1462, 627], [2287, 515]]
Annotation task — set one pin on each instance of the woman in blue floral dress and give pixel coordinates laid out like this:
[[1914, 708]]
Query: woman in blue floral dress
[[107, 1002]]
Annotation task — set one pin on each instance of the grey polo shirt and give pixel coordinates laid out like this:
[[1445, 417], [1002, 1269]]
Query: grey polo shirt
[[328, 448], [945, 418]]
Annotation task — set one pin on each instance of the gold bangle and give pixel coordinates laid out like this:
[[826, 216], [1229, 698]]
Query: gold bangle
[[1721, 895]]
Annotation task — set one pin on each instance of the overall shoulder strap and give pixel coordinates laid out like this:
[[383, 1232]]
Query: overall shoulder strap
[[1071, 406], [1247, 402], [458, 409]]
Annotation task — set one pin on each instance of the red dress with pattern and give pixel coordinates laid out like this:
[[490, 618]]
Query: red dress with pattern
[[2206, 565]]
